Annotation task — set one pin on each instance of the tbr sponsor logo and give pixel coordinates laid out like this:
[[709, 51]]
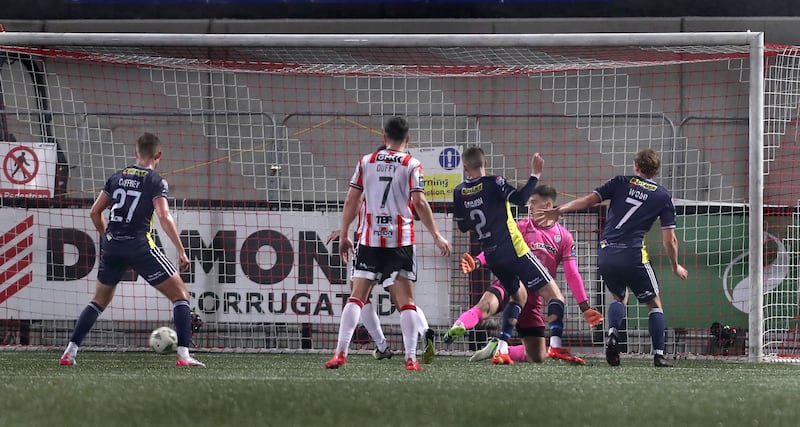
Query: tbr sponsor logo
[[17, 259], [736, 279]]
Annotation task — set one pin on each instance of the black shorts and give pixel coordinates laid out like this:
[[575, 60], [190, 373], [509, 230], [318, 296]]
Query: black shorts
[[534, 331], [526, 269], [625, 268], [148, 262], [385, 264], [500, 293]]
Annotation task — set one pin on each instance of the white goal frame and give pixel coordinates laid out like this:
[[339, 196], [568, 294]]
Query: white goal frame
[[752, 40]]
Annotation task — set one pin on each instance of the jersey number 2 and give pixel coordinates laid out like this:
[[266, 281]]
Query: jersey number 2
[[477, 216], [120, 197]]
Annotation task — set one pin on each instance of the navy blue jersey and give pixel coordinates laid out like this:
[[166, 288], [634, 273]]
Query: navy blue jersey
[[132, 191], [482, 205], [635, 203]]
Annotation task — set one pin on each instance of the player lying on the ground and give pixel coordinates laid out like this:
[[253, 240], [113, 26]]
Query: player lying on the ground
[[553, 245]]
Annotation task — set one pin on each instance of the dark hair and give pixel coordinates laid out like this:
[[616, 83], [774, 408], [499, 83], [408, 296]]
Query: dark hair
[[147, 145], [396, 129], [546, 192], [648, 161], [473, 157]]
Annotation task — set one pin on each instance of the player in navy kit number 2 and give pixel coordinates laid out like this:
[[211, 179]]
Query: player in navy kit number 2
[[134, 194], [481, 204], [635, 202]]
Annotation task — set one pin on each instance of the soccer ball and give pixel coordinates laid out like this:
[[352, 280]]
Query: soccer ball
[[164, 340]]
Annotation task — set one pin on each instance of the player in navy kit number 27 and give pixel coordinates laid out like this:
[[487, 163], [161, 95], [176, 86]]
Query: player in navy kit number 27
[[134, 194], [481, 204], [635, 202]]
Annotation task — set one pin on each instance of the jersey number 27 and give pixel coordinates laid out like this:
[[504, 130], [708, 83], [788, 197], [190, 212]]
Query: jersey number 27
[[125, 202]]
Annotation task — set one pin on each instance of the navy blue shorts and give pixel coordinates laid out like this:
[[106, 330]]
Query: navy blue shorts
[[526, 269], [625, 268], [150, 263]]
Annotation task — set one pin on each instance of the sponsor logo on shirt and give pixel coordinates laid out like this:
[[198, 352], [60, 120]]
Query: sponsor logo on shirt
[[636, 182], [469, 191]]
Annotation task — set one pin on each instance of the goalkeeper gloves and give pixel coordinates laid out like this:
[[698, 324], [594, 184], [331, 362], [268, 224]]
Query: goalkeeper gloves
[[469, 263], [593, 317]]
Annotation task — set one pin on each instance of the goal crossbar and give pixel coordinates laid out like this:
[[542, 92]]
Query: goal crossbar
[[379, 40]]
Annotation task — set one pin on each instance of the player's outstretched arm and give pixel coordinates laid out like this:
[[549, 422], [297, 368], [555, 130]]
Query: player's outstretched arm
[[521, 195], [553, 214], [471, 263], [351, 204], [671, 246], [96, 214], [168, 224], [333, 236], [578, 289], [537, 165], [426, 216]]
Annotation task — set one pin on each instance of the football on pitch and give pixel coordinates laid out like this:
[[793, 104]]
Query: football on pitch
[[164, 340]]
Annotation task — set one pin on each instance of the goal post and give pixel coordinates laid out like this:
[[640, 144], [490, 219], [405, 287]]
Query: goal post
[[262, 132]]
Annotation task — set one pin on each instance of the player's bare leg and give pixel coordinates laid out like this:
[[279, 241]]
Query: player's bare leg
[[535, 349], [103, 294], [174, 289]]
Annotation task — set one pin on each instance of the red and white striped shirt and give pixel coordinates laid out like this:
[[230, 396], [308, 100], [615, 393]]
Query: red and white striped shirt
[[387, 178]]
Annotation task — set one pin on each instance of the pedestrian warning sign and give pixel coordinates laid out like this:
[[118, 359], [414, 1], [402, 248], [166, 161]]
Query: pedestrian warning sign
[[28, 169]]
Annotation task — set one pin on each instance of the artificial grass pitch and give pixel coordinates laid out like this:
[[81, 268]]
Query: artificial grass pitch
[[145, 389]]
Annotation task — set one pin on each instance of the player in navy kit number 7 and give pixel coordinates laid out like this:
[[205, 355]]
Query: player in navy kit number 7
[[385, 186], [635, 202]]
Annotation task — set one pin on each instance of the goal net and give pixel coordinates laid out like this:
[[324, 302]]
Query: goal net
[[261, 135]]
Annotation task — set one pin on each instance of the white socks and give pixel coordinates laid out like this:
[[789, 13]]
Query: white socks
[[373, 324], [347, 325], [409, 323], [72, 349]]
